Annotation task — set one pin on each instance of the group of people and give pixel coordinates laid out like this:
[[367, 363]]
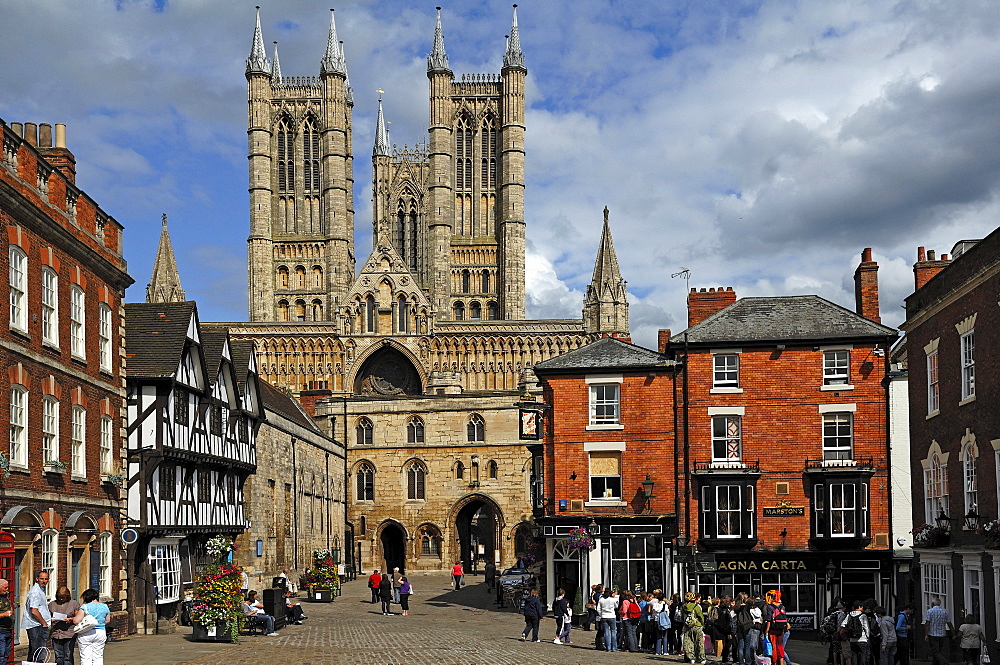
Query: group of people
[[64, 621], [389, 589], [736, 630], [255, 612], [865, 634]]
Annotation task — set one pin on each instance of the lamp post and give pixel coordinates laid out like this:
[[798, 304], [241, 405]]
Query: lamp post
[[972, 519], [942, 520]]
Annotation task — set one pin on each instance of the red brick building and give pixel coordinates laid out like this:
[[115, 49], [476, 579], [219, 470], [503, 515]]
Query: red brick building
[[953, 338], [785, 433], [609, 443], [63, 384]]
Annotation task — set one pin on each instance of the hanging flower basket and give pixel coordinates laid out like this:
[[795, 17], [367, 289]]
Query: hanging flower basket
[[580, 539], [991, 532], [927, 535]]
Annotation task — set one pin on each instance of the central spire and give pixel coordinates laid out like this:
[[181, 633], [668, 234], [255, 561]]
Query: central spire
[[381, 135], [333, 61], [513, 57], [257, 62], [275, 67], [437, 60], [165, 282], [605, 306]]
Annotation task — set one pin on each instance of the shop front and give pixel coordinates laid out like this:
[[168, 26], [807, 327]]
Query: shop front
[[808, 581]]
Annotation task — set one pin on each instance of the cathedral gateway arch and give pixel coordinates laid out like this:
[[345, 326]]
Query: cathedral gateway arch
[[419, 358]]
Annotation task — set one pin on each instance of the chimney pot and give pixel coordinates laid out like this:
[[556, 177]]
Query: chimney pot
[[18, 128], [944, 257], [60, 135], [921, 254], [45, 135], [866, 255], [931, 255], [31, 133]]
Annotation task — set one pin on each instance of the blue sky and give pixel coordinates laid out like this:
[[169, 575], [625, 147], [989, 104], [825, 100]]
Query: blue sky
[[762, 145]]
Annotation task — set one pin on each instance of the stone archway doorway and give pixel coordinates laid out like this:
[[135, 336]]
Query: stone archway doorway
[[478, 525], [393, 542]]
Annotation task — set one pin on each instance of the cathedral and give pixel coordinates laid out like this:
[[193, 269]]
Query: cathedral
[[421, 360]]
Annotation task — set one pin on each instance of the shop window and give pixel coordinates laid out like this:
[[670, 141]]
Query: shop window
[[637, 562], [165, 564], [605, 475], [935, 582], [836, 367]]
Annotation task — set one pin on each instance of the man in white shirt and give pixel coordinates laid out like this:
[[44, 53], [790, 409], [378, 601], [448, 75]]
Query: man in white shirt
[[36, 617]]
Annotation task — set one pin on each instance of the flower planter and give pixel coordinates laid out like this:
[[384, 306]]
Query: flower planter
[[217, 633], [321, 594], [58, 469]]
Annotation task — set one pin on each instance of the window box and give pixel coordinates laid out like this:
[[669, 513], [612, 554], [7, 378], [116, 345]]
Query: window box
[[116, 479], [55, 467]]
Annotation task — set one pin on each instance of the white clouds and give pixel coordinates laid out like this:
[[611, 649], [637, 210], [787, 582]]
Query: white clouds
[[761, 145]]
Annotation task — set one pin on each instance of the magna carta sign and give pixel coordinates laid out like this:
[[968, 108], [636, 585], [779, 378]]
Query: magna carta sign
[[767, 564], [783, 508]]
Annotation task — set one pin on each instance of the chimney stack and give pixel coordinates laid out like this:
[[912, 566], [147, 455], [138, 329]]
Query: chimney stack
[[703, 304], [58, 156], [927, 266], [662, 339], [866, 287]]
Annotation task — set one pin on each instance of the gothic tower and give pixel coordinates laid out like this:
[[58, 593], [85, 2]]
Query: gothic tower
[[605, 307], [165, 282], [301, 244], [453, 208]]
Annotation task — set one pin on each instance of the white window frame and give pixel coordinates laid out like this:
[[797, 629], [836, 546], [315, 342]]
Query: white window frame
[[605, 408], [78, 447], [935, 488], [104, 330], [836, 453], [107, 446], [166, 567], [933, 385], [736, 512], [50, 561], [836, 369], [725, 440], [726, 370], [106, 545], [968, 360], [972, 574], [19, 426], [50, 429], [78, 322], [50, 307], [846, 511], [970, 479], [18, 277], [935, 580], [605, 497]]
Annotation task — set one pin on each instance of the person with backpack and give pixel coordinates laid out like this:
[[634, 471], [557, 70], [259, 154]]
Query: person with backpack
[[694, 622], [630, 613], [829, 633], [595, 598], [875, 643], [674, 637], [533, 612], [726, 629], [904, 630], [743, 623], [775, 625], [659, 613], [856, 631], [753, 623]]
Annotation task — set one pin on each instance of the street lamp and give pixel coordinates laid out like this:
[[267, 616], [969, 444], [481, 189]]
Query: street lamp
[[942, 520], [972, 519], [647, 487], [831, 570], [592, 527]]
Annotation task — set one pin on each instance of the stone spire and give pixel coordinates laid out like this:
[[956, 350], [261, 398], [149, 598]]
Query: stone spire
[[605, 307], [257, 62], [513, 57], [348, 90], [437, 60], [333, 60], [165, 283], [275, 67], [381, 135]]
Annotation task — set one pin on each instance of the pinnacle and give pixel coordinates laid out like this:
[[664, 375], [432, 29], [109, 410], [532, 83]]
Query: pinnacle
[[165, 282]]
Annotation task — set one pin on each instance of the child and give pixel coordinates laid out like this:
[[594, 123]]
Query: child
[[567, 624]]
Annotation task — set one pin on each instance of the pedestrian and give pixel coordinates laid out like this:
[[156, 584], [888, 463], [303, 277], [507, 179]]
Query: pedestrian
[[755, 625], [63, 609], [659, 621], [490, 573], [829, 629], [245, 582], [405, 591], [725, 626], [589, 609], [396, 577], [630, 614], [533, 612], [559, 606], [694, 624], [385, 595], [373, 581], [92, 641], [936, 629], [35, 618], [6, 621], [857, 635], [904, 633], [567, 625], [971, 638], [775, 625], [458, 575], [595, 598], [674, 636], [607, 610], [887, 630]]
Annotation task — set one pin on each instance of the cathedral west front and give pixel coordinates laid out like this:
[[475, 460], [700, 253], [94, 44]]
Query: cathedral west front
[[421, 359]]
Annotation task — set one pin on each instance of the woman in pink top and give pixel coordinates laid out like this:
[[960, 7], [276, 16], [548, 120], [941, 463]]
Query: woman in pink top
[[457, 573]]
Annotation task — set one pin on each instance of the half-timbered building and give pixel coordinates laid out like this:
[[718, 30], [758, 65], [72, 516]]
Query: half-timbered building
[[191, 447]]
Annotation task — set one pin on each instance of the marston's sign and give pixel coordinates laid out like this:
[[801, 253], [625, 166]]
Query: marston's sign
[[784, 510], [767, 564]]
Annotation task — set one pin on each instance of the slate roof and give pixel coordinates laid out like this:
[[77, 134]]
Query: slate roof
[[605, 353], [212, 342], [241, 350], [285, 405], [791, 318], [154, 337]]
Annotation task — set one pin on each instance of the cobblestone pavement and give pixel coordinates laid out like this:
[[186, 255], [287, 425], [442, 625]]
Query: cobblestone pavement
[[444, 627]]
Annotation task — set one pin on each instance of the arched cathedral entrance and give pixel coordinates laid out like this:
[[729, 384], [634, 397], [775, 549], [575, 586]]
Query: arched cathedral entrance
[[478, 525], [388, 372], [393, 542]]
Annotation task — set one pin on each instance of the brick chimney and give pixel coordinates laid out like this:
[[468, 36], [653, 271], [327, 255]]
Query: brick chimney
[[866, 287], [927, 266], [308, 399], [703, 304], [662, 339], [58, 156]]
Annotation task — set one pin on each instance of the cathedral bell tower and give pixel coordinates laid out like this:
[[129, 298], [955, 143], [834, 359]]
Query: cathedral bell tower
[[301, 244]]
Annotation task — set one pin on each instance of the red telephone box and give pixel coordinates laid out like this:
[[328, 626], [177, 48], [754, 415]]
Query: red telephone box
[[7, 570]]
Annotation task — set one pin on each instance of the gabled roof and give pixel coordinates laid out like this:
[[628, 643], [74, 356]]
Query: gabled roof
[[213, 343], [155, 334], [791, 318], [606, 353], [285, 405], [242, 351]]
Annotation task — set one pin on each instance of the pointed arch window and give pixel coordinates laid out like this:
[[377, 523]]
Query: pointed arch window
[[286, 156], [430, 542], [310, 155], [476, 429], [489, 152], [415, 430], [411, 252], [459, 470], [371, 315], [402, 314], [400, 232], [463, 154], [365, 482], [415, 476], [363, 431]]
